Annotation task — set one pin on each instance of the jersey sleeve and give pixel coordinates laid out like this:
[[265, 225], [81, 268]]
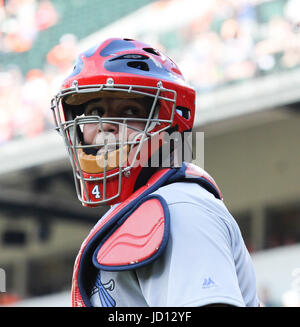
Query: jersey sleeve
[[198, 267]]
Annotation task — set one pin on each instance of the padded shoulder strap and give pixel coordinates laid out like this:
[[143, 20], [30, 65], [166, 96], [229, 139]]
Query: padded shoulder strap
[[199, 175], [137, 239]]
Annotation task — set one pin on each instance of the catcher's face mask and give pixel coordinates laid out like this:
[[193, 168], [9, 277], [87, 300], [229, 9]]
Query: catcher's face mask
[[110, 110]]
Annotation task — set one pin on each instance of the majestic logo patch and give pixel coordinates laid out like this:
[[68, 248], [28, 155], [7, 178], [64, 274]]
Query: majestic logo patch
[[208, 282]]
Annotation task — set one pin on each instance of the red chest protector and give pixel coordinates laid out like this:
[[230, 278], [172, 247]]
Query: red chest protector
[[134, 233]]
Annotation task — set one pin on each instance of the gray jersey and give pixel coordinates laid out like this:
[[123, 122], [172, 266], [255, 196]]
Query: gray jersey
[[205, 261]]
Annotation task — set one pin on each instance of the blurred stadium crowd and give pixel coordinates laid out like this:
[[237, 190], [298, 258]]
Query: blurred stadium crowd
[[232, 42]]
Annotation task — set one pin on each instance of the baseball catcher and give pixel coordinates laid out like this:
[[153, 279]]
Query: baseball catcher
[[167, 239]]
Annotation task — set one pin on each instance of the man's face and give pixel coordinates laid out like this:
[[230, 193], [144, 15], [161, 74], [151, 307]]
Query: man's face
[[114, 107]]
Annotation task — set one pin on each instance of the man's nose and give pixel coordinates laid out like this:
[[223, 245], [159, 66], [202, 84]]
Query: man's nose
[[109, 128]]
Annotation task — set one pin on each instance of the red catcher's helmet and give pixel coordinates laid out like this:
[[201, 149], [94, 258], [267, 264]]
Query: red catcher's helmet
[[119, 68]]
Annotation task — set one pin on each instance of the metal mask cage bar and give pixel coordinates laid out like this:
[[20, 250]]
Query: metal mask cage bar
[[130, 89], [65, 128]]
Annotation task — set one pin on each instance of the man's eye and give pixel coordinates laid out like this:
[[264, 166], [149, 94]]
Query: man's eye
[[133, 112], [94, 112], [129, 111]]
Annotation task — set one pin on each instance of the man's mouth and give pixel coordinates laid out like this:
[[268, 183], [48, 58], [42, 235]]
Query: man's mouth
[[100, 150], [103, 159], [106, 149]]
